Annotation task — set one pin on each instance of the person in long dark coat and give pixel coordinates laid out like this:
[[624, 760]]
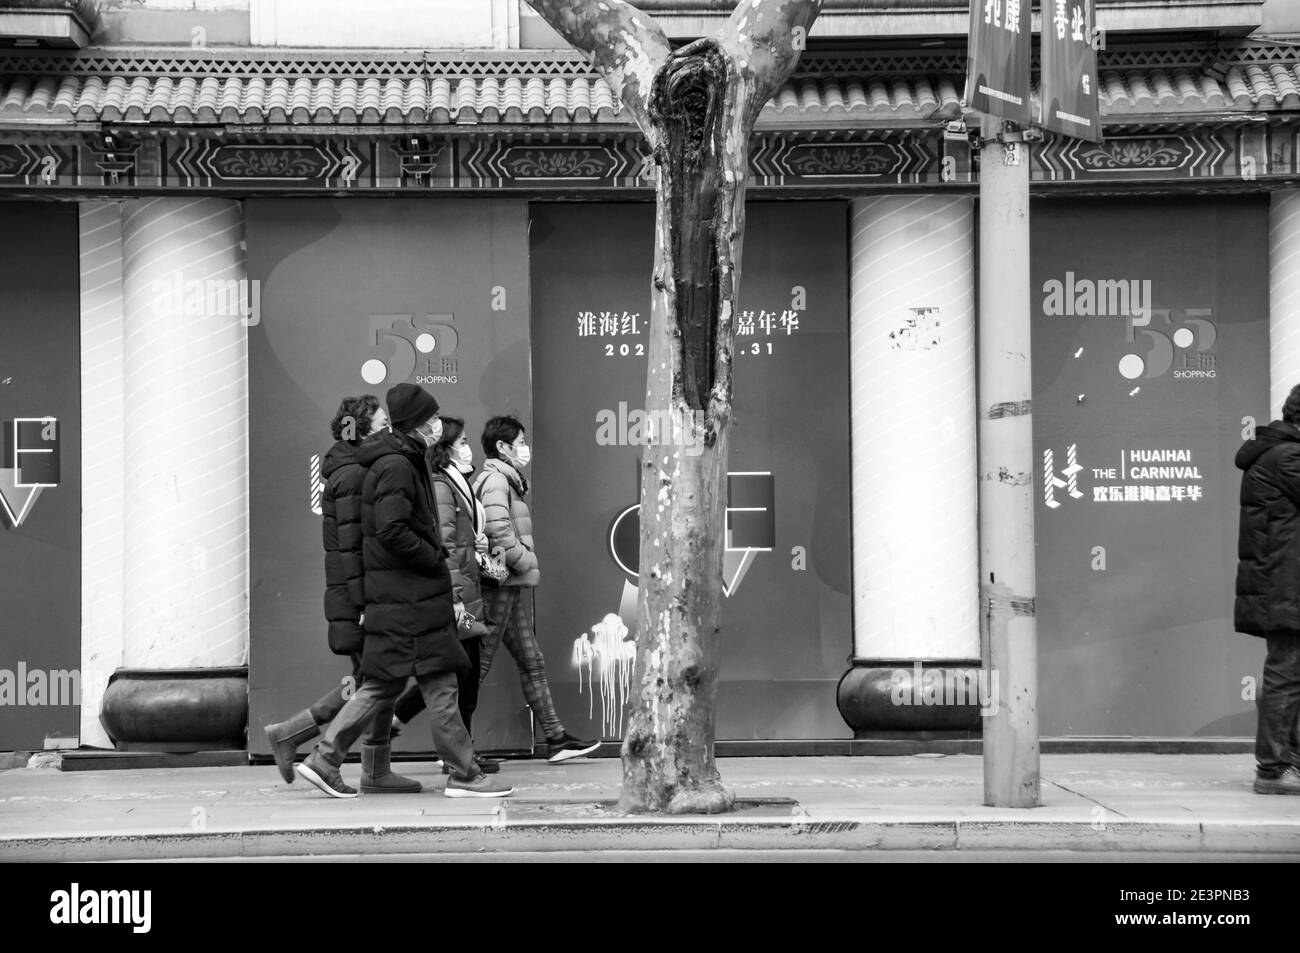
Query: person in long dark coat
[[1268, 590], [357, 417], [462, 523], [410, 623]]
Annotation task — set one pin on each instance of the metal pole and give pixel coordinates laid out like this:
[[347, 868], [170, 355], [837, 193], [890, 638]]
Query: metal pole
[[1006, 467]]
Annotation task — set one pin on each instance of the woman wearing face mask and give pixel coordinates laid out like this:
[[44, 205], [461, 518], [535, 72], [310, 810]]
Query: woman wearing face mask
[[502, 489], [461, 522]]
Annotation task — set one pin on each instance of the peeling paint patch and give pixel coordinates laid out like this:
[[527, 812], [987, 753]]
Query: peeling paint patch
[[1010, 408], [1012, 479]]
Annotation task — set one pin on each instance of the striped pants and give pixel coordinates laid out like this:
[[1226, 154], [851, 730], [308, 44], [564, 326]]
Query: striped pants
[[510, 609]]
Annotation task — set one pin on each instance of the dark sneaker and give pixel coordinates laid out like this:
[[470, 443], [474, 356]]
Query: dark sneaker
[[324, 776], [1288, 782], [481, 786], [569, 747], [486, 765]]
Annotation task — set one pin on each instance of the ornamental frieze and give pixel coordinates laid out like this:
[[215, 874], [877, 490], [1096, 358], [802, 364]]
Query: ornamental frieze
[[125, 158], [1135, 154]]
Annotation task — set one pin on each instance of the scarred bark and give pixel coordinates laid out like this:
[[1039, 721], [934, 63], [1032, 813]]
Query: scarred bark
[[697, 106]]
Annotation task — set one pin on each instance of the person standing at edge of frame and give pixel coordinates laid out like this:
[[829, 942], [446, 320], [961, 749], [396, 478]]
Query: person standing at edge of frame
[[462, 523], [1268, 590], [345, 600], [410, 622], [502, 489]]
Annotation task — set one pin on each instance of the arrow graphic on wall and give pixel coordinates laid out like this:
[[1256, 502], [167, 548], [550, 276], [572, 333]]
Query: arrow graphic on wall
[[11, 493]]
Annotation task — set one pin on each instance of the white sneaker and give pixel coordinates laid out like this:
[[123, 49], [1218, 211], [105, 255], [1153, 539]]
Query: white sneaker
[[482, 786]]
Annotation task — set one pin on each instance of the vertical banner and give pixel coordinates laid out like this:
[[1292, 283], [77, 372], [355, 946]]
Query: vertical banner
[[40, 476], [786, 612], [1068, 98], [1148, 367], [358, 295], [997, 71]]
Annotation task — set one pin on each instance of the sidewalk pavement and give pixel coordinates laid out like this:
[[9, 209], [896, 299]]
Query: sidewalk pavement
[[1180, 804]]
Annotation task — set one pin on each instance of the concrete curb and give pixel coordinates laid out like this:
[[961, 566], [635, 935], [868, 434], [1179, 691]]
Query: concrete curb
[[632, 834]]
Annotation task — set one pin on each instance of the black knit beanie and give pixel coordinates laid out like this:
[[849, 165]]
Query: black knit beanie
[[409, 405]]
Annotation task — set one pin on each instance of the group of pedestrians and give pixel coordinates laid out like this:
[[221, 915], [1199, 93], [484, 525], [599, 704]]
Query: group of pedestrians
[[428, 570]]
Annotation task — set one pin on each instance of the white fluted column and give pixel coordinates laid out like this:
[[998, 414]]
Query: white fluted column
[[186, 427], [1283, 298], [913, 422], [102, 437], [915, 548]]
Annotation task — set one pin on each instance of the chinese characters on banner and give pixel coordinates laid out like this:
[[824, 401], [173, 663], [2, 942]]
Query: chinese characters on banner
[[997, 77], [1069, 85], [748, 324]]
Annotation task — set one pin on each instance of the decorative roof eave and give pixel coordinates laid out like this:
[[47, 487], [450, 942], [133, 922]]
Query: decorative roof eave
[[480, 94]]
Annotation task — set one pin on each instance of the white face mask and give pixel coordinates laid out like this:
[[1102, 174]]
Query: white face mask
[[430, 433], [464, 457], [523, 454]]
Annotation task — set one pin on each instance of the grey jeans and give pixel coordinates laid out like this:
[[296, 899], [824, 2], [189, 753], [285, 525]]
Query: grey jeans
[[372, 706], [1277, 744]]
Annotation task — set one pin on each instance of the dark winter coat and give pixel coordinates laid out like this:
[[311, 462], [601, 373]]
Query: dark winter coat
[[1268, 539], [455, 502], [410, 624], [340, 504], [509, 522]]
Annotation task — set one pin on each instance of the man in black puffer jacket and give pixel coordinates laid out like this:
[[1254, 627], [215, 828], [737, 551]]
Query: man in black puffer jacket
[[1268, 590], [345, 600], [410, 623]]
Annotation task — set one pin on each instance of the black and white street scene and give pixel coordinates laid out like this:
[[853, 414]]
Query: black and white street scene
[[644, 431]]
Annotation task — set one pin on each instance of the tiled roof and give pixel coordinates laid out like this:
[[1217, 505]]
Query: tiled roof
[[512, 96]]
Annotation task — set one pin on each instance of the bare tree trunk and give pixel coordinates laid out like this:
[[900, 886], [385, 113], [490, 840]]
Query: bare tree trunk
[[668, 752], [697, 107]]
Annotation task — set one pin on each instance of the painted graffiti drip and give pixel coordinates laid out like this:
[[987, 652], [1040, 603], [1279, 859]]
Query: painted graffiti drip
[[609, 658]]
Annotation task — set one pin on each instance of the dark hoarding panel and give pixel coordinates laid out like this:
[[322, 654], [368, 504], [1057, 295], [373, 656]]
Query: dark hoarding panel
[[1148, 353], [40, 474], [786, 619], [997, 72], [357, 296], [1069, 57]]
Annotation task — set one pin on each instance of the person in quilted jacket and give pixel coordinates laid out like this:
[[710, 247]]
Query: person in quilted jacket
[[503, 491], [345, 600]]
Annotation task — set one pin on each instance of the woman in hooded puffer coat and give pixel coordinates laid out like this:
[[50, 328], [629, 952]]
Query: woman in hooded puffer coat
[[345, 600]]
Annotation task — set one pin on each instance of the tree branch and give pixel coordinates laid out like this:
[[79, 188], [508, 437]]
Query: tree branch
[[765, 39], [625, 45]]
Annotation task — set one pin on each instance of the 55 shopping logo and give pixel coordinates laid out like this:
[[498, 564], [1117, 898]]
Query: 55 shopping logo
[[411, 347], [1165, 340]]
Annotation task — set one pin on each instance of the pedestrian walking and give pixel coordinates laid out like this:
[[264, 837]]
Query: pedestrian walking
[[1268, 590], [410, 623], [357, 417], [461, 522], [503, 491]]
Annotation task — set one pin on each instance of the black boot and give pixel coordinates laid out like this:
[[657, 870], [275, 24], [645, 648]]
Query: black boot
[[376, 776], [286, 736]]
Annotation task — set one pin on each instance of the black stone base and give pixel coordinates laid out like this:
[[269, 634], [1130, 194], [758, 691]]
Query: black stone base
[[177, 710], [91, 760], [884, 699]]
